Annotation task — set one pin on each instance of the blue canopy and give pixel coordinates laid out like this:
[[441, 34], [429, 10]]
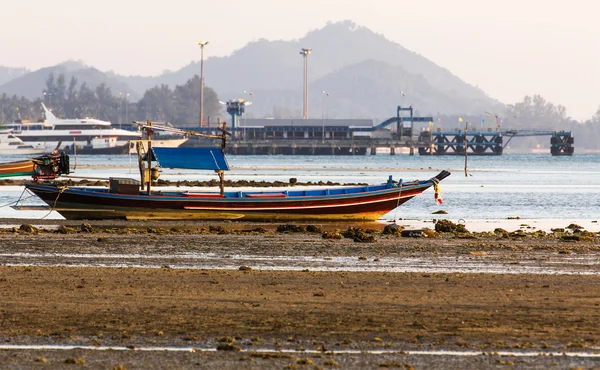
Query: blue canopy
[[192, 158]]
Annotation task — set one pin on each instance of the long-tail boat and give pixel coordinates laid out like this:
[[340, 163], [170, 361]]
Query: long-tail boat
[[131, 199], [46, 167]]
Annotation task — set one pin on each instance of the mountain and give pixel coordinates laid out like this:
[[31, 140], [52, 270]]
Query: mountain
[[31, 85], [272, 70], [9, 73], [363, 71]]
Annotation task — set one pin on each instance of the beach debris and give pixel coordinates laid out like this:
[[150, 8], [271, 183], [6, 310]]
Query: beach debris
[[217, 230], [513, 218], [518, 234], [331, 362], [29, 229], [447, 226], [228, 347], [293, 180], [86, 228], [63, 229], [392, 229], [304, 361], [501, 232], [76, 361], [406, 233], [359, 235], [290, 228], [334, 235], [574, 227], [257, 230], [440, 212], [313, 229]]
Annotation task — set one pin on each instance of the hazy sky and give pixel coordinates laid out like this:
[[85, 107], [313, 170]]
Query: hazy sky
[[509, 48]]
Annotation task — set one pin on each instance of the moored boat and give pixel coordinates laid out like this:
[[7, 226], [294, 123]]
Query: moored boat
[[131, 199], [45, 167]]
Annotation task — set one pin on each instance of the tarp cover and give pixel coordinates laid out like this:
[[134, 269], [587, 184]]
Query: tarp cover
[[192, 158]]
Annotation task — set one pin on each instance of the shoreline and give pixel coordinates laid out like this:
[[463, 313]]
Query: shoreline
[[147, 285]]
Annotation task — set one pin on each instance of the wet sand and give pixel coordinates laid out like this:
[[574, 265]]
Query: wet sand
[[56, 291]]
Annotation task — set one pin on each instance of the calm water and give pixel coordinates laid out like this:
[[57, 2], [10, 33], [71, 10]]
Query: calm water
[[524, 185]]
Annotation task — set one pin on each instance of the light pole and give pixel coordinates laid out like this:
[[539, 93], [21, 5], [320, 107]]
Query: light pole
[[202, 44], [323, 105], [49, 94], [126, 108], [244, 116], [304, 54], [119, 109]]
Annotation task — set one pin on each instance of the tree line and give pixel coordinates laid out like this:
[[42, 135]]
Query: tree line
[[179, 106]]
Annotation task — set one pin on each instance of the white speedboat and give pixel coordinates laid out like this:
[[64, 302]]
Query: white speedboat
[[10, 144]]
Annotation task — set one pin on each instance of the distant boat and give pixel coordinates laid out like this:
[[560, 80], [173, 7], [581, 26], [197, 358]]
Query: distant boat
[[125, 199], [86, 134], [10, 144]]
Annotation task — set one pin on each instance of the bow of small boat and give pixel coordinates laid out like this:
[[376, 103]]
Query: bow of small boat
[[442, 175]]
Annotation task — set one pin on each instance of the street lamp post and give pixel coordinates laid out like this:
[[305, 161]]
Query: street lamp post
[[126, 108], [202, 44], [305, 53], [244, 116], [119, 109], [323, 105], [49, 94]]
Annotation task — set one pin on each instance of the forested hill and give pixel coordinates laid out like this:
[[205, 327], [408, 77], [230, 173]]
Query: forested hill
[[32, 84], [275, 68]]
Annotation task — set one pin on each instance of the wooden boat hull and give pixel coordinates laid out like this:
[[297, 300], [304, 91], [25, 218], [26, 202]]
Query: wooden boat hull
[[19, 168], [340, 204]]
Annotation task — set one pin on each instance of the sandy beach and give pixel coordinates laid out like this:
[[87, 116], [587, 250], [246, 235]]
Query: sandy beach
[[229, 295]]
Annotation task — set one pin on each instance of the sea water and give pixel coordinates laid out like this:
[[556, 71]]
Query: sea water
[[528, 186]]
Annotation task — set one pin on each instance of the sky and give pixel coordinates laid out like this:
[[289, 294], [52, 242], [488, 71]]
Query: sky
[[508, 48]]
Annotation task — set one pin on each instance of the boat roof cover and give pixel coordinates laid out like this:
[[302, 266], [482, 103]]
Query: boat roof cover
[[192, 158]]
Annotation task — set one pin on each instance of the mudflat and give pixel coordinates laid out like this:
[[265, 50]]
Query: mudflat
[[170, 290]]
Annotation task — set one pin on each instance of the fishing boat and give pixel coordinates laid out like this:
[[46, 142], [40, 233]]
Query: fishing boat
[[45, 167], [132, 199]]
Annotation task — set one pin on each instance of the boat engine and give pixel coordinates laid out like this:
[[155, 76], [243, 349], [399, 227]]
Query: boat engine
[[51, 166]]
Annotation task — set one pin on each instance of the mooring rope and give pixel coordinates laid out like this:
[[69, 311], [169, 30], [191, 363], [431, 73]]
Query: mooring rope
[[15, 202], [398, 202], [61, 190]]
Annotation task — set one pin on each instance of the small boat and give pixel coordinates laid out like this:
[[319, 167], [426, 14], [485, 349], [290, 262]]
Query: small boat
[[45, 167], [18, 168], [127, 198]]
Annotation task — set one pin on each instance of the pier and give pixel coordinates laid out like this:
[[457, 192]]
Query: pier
[[401, 133]]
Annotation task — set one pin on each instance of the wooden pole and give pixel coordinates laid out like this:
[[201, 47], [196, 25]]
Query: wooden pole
[[149, 155], [223, 146], [466, 147]]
